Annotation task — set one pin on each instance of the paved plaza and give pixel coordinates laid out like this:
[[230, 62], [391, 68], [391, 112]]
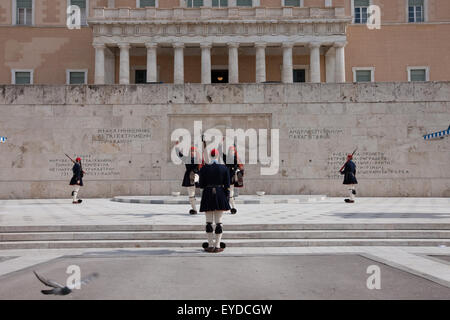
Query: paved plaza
[[285, 272], [331, 210]]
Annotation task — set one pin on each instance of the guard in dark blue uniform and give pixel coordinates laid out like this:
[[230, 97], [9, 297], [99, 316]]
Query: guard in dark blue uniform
[[77, 180], [349, 172], [236, 169], [215, 182], [193, 164]]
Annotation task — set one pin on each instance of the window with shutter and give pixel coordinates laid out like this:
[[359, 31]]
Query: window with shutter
[[220, 3], [194, 3], [363, 76], [23, 77], [416, 11], [147, 3], [244, 3], [77, 77], [292, 3], [418, 75], [24, 12], [361, 10]]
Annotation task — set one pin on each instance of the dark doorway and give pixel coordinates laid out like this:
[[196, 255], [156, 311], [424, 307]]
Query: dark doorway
[[219, 76], [299, 75], [141, 76]]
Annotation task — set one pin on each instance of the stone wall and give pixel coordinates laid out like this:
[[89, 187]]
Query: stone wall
[[123, 135]]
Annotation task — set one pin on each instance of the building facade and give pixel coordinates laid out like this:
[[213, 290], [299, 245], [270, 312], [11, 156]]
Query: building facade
[[228, 41]]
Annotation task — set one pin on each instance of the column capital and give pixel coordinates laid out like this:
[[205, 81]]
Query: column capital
[[178, 45], [206, 45], [233, 44], [314, 45], [99, 45], [124, 45], [340, 44], [260, 44], [151, 45], [287, 45]]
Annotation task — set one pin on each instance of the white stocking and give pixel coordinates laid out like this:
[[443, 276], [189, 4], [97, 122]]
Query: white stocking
[[352, 196], [191, 194], [210, 218], [75, 193], [232, 196], [217, 220]]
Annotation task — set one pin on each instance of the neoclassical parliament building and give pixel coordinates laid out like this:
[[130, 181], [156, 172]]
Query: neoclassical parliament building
[[223, 41]]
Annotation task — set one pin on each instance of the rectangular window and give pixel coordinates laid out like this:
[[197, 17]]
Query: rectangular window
[[194, 3], [292, 3], [147, 3], [244, 3], [416, 11], [220, 3], [361, 10], [24, 12], [363, 75], [22, 77], [418, 74], [76, 77], [83, 11]]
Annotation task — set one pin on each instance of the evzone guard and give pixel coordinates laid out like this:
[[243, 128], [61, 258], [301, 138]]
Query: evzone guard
[[236, 169], [193, 163], [77, 179], [349, 172], [215, 182]]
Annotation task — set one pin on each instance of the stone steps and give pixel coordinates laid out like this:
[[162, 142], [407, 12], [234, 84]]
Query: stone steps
[[200, 235], [229, 227], [230, 243], [252, 235]]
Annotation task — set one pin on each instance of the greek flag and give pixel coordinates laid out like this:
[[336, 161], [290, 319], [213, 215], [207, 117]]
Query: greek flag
[[437, 135], [2, 139]]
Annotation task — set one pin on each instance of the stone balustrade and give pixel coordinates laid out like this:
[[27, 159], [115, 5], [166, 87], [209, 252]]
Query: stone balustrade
[[254, 13]]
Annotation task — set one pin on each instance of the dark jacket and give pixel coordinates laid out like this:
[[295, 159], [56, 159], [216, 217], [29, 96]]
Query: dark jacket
[[215, 182], [233, 167], [191, 166], [77, 175], [349, 173]]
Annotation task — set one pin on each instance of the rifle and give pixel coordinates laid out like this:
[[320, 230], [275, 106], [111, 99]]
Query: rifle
[[347, 160], [73, 162]]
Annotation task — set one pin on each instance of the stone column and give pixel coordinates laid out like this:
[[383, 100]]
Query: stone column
[[340, 61], [314, 62], [260, 61], [233, 62], [99, 63], [330, 65], [288, 73], [206, 62], [124, 71], [152, 68], [178, 67]]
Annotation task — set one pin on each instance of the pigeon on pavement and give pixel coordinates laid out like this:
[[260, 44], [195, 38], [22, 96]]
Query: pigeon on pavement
[[61, 290]]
